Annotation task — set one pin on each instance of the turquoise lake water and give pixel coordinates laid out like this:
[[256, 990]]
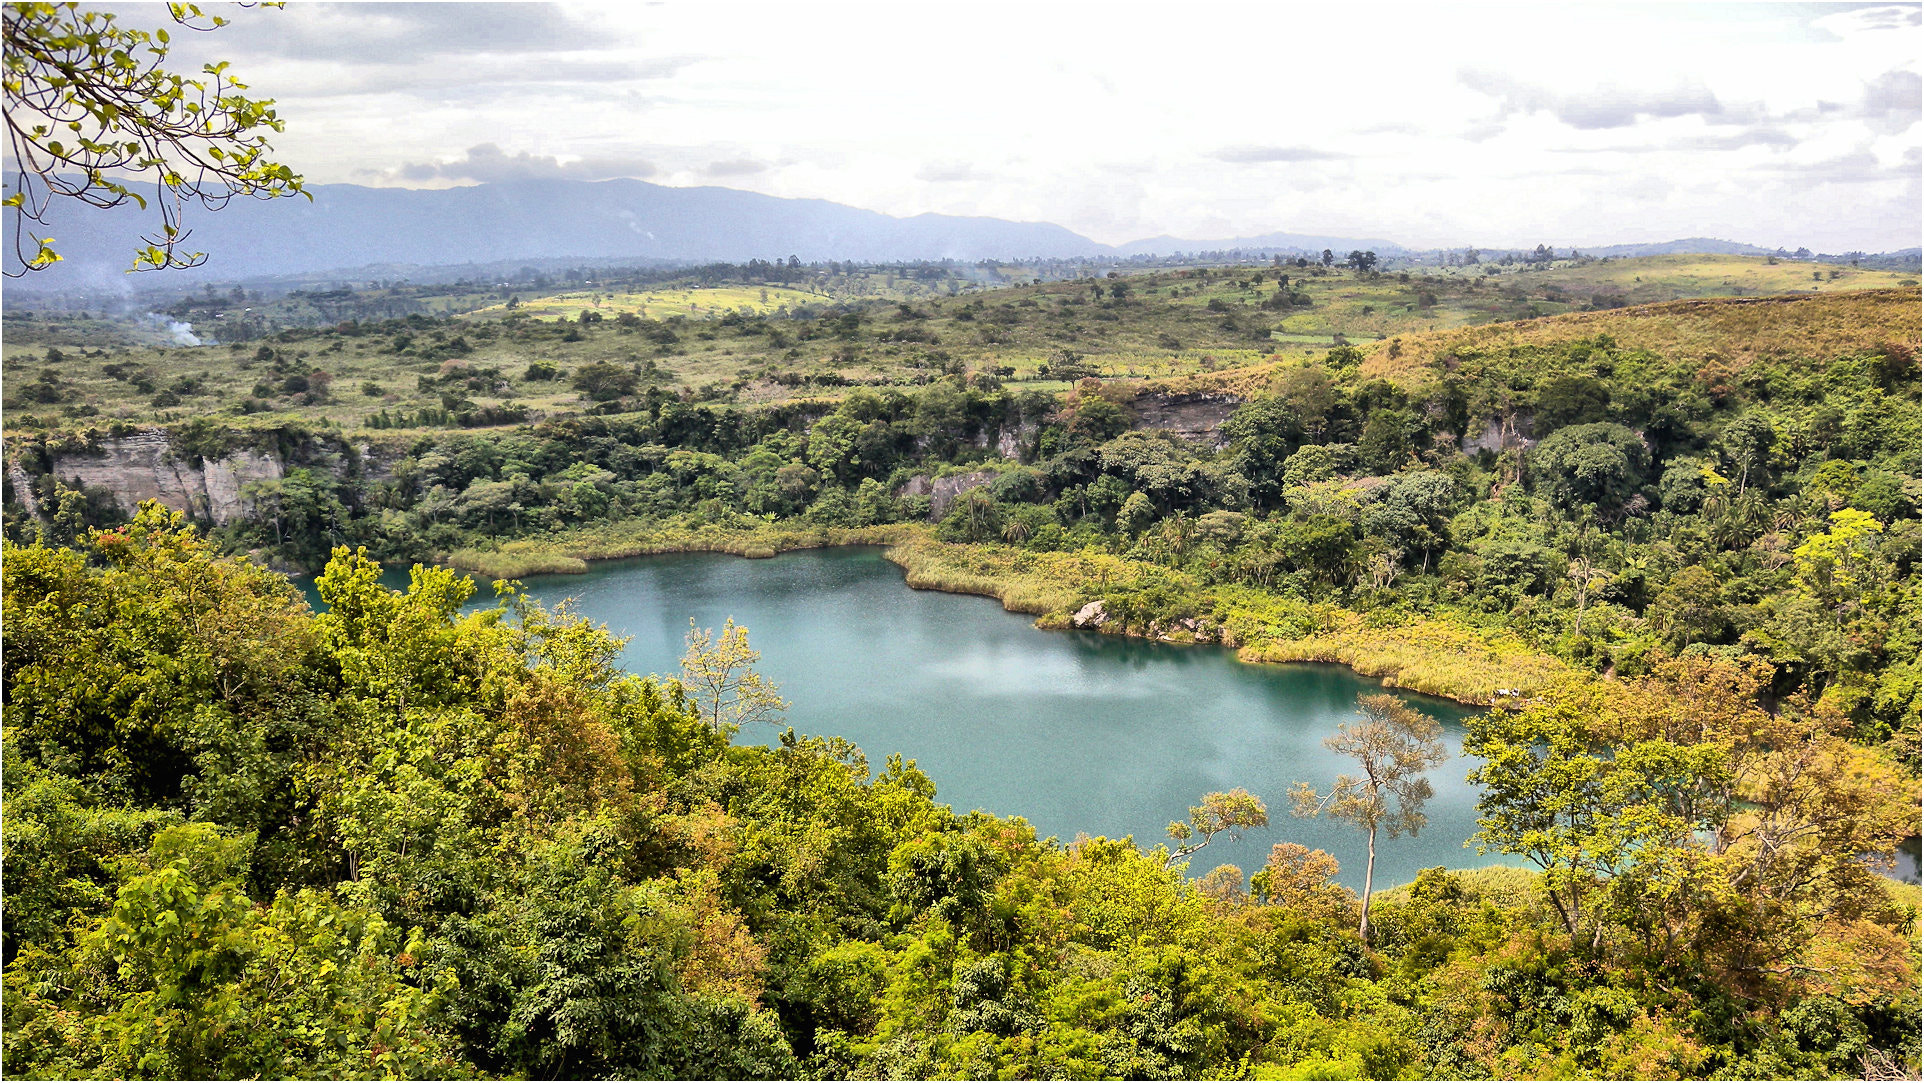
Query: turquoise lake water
[[1076, 732]]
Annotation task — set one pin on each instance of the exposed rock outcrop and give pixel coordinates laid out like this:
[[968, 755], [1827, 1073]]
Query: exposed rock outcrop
[[1093, 615], [943, 491], [1502, 434], [22, 487], [1192, 416], [147, 466]]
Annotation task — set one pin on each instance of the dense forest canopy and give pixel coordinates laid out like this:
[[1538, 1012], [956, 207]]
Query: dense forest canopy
[[390, 839], [1659, 515]]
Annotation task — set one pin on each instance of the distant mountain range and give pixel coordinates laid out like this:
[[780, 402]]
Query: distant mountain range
[[1694, 246], [351, 226], [346, 227], [1267, 243]]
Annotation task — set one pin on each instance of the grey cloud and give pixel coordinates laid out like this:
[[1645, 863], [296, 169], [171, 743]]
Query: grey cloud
[[1760, 136], [408, 33], [1606, 107], [1857, 167], [1257, 155], [1894, 17], [482, 80], [735, 167], [1482, 133], [1892, 101], [488, 163]]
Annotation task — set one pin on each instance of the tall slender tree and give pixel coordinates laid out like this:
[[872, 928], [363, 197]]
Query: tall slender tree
[[1393, 744]]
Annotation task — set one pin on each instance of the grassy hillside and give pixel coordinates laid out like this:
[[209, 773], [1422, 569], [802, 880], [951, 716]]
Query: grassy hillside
[[1734, 332], [1724, 333]]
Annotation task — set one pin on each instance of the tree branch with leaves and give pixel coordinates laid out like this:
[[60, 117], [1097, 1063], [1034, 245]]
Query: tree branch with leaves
[[1227, 814], [92, 110]]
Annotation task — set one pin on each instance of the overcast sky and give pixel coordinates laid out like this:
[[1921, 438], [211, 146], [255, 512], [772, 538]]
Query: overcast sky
[[1428, 124]]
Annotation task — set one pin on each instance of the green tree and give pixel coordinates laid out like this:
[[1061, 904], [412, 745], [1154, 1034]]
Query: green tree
[[1676, 808], [187, 978], [603, 382], [1570, 400], [1266, 431], [1747, 443], [1226, 814], [1601, 464], [1393, 745], [718, 673], [1385, 445], [1136, 514], [91, 105]]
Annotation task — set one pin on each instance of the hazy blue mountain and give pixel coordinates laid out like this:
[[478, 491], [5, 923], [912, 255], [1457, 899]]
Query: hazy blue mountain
[[1692, 246], [352, 226], [1268, 242], [359, 231]]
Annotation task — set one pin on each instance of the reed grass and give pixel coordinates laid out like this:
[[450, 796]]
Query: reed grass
[[1428, 655], [570, 552], [1432, 655]]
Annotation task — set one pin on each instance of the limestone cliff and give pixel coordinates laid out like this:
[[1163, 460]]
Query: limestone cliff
[[1191, 416], [942, 492], [147, 465]]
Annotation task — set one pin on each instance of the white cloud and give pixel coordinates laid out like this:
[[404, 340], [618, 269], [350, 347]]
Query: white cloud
[[1444, 123]]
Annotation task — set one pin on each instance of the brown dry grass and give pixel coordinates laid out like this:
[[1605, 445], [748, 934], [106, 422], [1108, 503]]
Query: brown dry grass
[[1734, 330]]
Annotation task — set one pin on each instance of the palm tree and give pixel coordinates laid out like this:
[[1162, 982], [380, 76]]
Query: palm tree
[[1176, 531]]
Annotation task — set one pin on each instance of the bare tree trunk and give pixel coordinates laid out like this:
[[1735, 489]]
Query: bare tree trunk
[[1369, 874]]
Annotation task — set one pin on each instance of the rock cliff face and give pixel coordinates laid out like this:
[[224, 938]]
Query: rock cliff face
[[147, 466], [1502, 434], [1192, 417], [22, 487], [943, 491], [1013, 442]]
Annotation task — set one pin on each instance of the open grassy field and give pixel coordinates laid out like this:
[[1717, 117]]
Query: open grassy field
[[692, 302], [1649, 279], [1197, 327]]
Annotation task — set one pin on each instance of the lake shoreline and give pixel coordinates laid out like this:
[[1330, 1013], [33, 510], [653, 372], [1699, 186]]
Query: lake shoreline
[[1431, 657]]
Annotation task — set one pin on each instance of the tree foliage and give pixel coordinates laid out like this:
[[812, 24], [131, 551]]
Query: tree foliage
[[717, 673], [92, 109], [413, 836]]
